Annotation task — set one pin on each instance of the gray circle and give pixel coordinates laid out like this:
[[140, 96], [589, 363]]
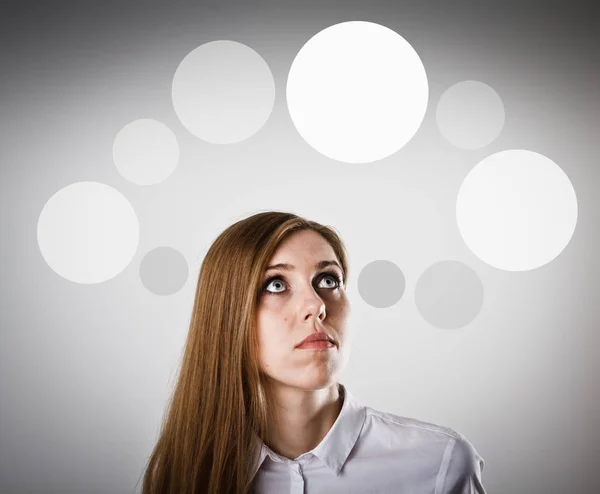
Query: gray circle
[[449, 294], [381, 284], [164, 271], [470, 114]]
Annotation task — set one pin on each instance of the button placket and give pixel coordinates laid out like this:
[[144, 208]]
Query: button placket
[[297, 479]]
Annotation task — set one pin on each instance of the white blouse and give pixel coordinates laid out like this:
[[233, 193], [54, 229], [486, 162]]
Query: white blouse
[[367, 451]]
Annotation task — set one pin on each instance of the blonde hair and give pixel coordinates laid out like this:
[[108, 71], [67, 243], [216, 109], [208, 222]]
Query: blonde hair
[[220, 403]]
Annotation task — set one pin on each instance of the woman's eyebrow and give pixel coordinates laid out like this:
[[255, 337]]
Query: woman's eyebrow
[[289, 267]]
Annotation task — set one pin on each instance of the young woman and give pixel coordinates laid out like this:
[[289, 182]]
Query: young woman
[[258, 409]]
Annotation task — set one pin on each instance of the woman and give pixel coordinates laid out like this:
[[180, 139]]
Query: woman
[[254, 410]]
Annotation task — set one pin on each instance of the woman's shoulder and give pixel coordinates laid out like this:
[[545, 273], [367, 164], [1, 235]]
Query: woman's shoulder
[[430, 435], [460, 464], [411, 423]]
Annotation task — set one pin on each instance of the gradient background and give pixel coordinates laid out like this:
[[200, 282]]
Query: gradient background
[[86, 369]]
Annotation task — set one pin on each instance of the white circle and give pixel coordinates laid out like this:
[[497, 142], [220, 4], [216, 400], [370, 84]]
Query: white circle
[[223, 92], [88, 232], [516, 210], [357, 92], [470, 114], [145, 151]]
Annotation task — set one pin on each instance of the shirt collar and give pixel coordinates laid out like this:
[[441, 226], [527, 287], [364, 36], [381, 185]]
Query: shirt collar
[[334, 448]]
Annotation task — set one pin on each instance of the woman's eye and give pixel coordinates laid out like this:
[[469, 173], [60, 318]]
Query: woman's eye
[[278, 283]]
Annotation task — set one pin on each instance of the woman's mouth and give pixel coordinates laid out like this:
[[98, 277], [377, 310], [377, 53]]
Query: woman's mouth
[[316, 345]]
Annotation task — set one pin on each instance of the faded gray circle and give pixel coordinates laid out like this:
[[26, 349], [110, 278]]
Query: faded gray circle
[[164, 271], [146, 151], [223, 92], [449, 294], [381, 284], [470, 114]]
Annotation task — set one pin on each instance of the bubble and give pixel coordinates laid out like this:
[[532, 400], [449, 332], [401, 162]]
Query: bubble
[[357, 92], [88, 232]]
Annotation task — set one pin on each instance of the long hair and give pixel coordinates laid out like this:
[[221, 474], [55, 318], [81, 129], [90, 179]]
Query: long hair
[[220, 403]]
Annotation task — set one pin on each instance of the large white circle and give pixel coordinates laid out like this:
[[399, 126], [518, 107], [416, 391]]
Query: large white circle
[[145, 151], [357, 92], [223, 92], [88, 232], [516, 210]]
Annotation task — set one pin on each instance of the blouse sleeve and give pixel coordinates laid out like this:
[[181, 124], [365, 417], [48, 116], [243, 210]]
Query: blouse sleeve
[[461, 469]]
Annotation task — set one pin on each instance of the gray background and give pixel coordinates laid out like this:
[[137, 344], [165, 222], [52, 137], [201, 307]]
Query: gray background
[[86, 370]]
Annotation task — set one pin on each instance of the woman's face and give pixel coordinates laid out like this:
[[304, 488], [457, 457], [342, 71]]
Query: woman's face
[[295, 303]]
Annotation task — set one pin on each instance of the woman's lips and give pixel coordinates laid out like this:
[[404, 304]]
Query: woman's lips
[[316, 345]]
